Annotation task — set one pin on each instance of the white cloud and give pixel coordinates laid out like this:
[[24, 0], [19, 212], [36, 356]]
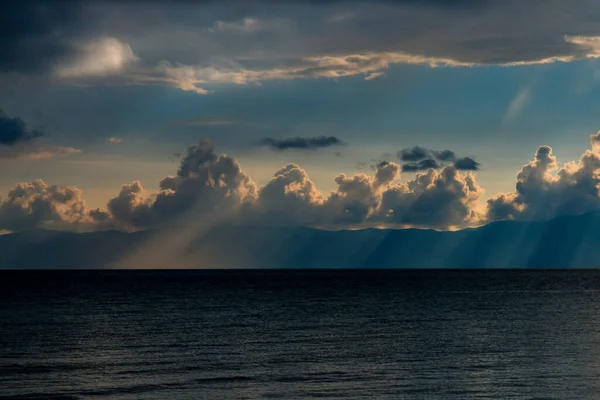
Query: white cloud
[[114, 140], [543, 190], [99, 57]]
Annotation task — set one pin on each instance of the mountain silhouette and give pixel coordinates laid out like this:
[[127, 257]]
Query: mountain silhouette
[[564, 242]]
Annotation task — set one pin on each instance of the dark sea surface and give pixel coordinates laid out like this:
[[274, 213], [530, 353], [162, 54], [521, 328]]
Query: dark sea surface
[[409, 334]]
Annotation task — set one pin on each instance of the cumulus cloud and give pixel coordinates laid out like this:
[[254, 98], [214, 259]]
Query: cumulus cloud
[[435, 199], [212, 184], [543, 190], [36, 204], [114, 140], [309, 143], [289, 198], [206, 183]]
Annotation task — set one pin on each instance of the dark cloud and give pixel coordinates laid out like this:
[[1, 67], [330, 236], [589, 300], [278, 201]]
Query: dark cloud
[[208, 43], [422, 159], [35, 34], [466, 164], [421, 165], [413, 154], [444, 155], [310, 143], [419, 153], [16, 141], [14, 130]]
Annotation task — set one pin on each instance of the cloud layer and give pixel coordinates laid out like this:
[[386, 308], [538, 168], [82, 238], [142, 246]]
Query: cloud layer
[[196, 46]]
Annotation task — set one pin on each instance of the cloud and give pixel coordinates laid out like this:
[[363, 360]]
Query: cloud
[[434, 199], [14, 130], [413, 154], [99, 57], [30, 37], [195, 78], [420, 166], [248, 25], [423, 159], [418, 153], [289, 198], [36, 204], [543, 190], [38, 34], [34, 151], [195, 47], [466, 164], [114, 140], [444, 155], [206, 183], [310, 143], [18, 142]]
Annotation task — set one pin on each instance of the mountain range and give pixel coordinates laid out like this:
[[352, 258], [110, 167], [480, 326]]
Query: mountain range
[[564, 242]]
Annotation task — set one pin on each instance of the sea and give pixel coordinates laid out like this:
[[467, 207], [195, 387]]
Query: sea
[[300, 334]]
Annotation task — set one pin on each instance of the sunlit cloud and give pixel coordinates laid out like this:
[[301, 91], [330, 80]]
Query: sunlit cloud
[[100, 57]]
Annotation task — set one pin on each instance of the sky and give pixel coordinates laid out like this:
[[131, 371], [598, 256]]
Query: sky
[[331, 114]]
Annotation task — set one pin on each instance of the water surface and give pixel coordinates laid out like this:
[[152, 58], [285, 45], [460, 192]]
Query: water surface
[[502, 334]]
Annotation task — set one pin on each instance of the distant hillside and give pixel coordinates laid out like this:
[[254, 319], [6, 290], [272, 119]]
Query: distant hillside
[[559, 243]]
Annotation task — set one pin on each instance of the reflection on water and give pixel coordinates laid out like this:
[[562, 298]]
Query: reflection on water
[[300, 334]]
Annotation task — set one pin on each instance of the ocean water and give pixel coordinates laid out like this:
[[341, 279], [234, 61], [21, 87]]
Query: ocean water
[[502, 334]]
